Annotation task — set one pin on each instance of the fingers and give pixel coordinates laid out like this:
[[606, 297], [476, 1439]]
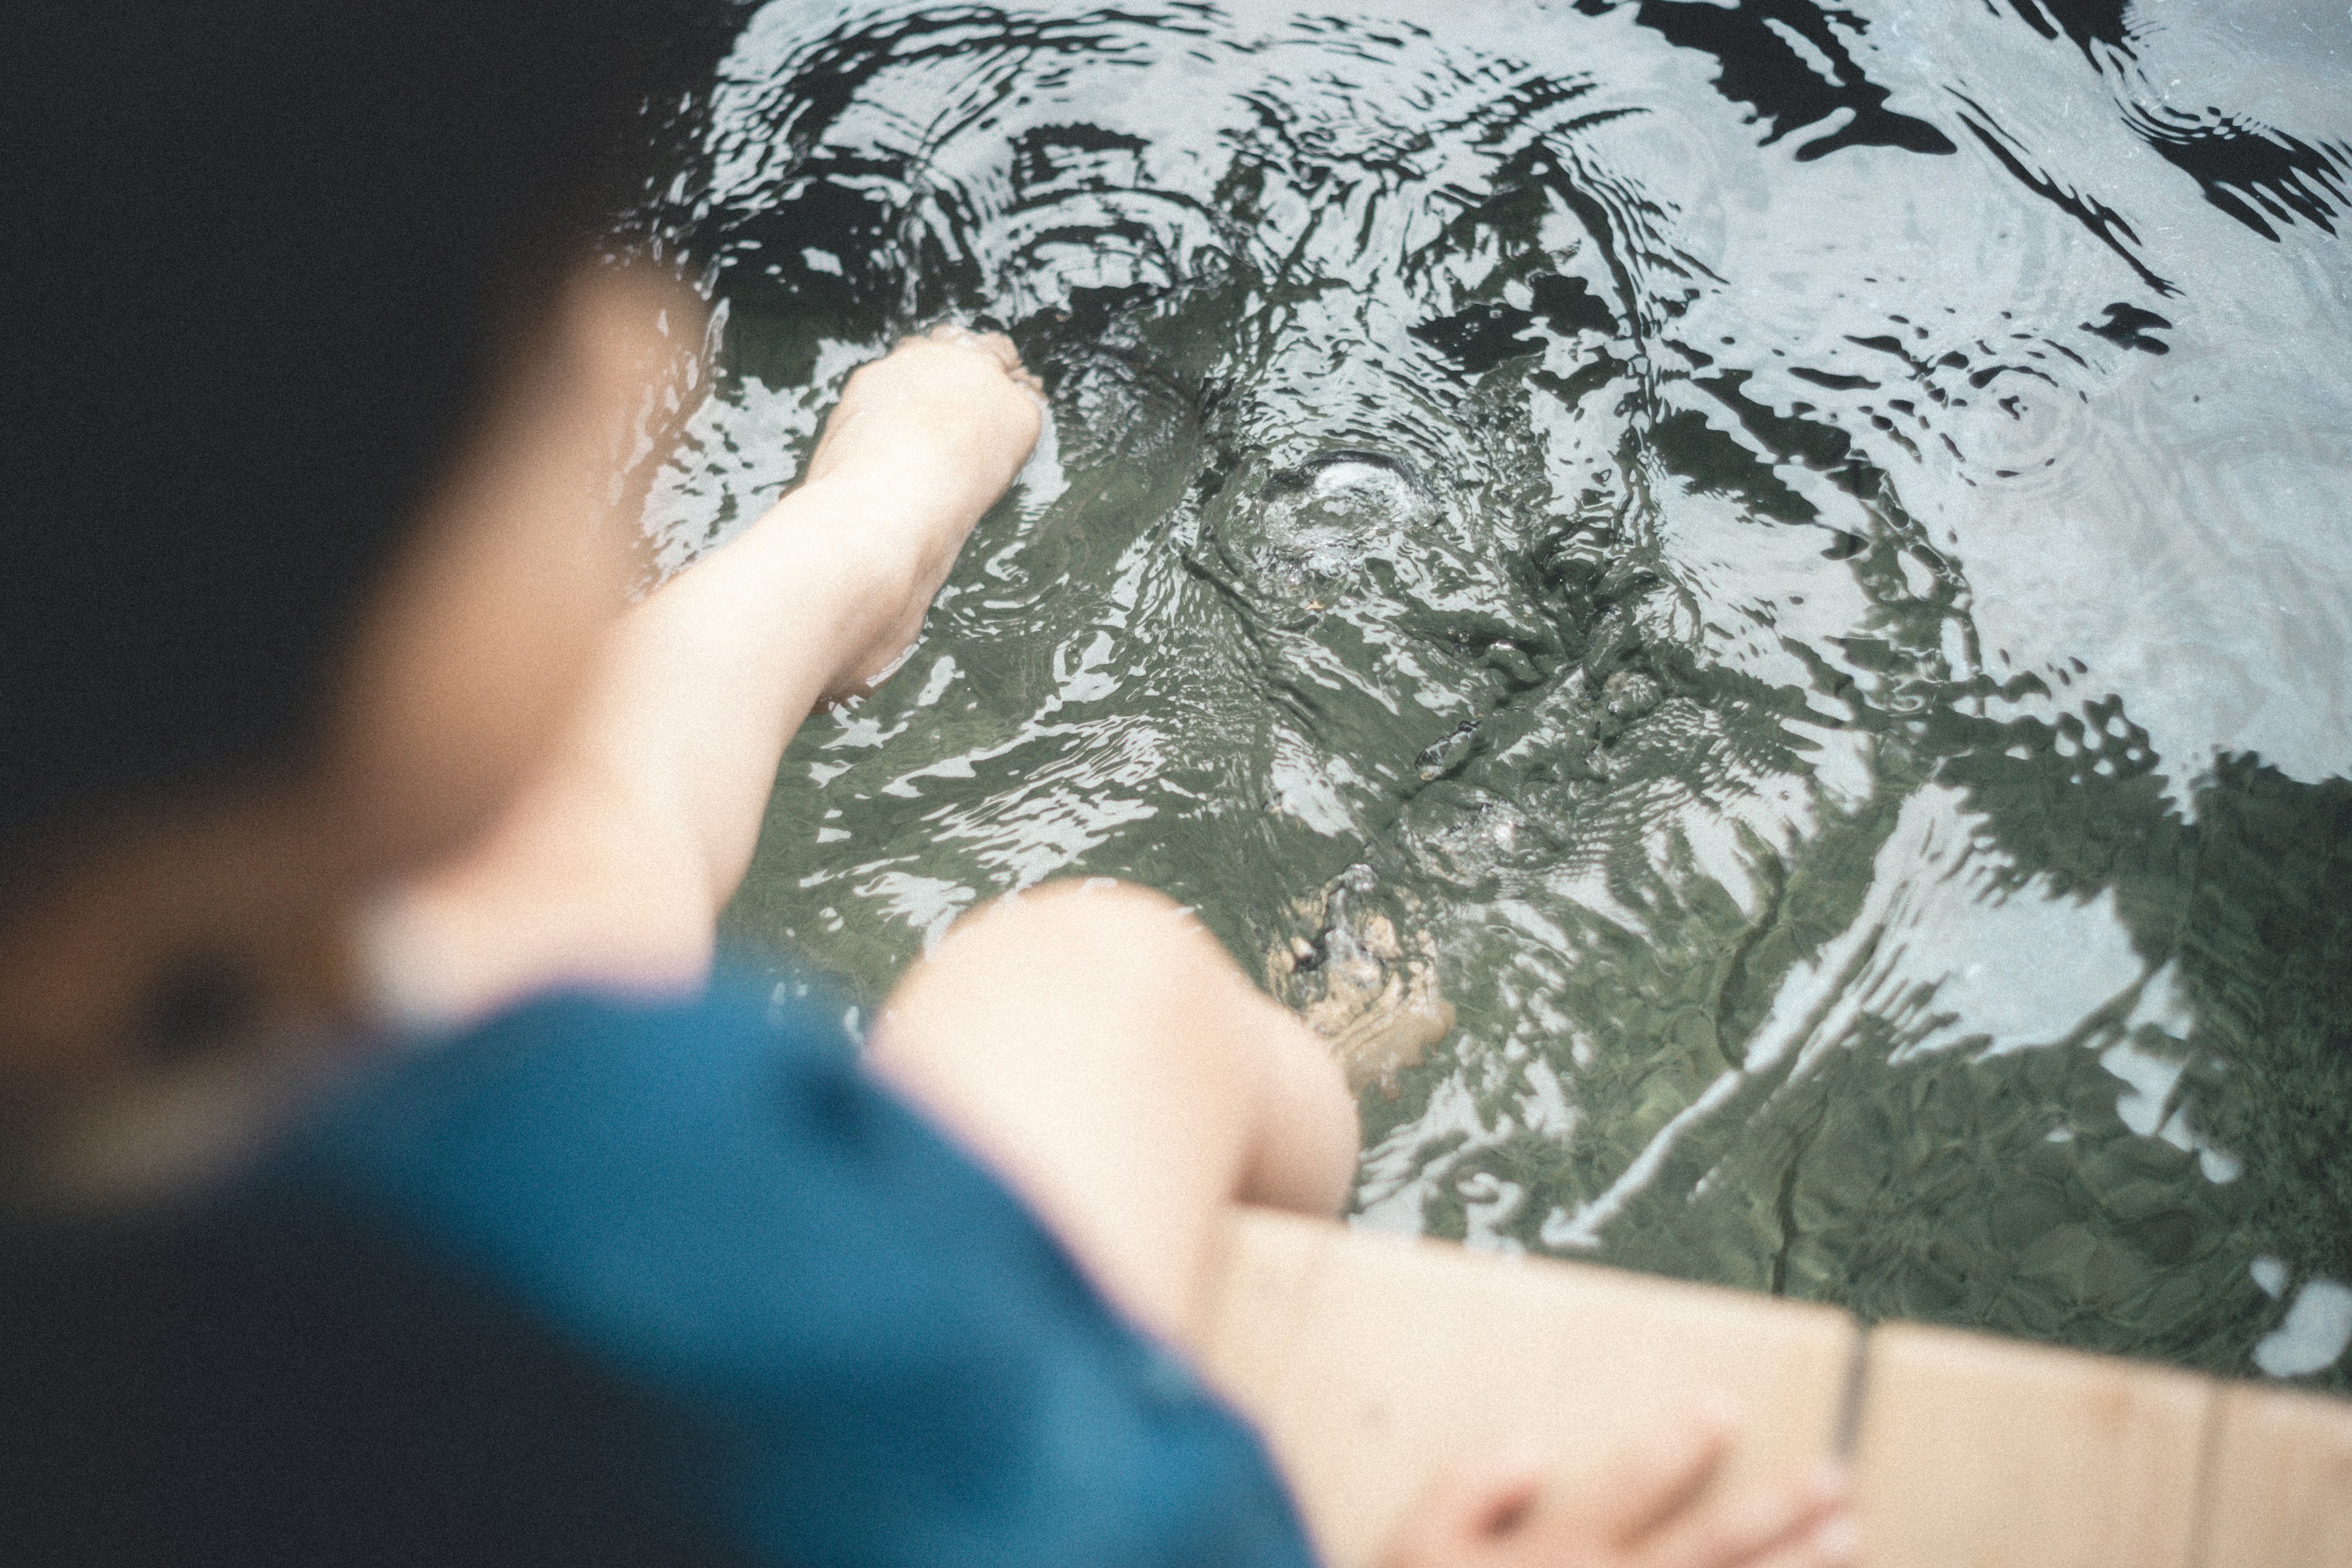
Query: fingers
[[1463, 1508], [1758, 1525], [1656, 1477], [1498, 1514], [1834, 1544]]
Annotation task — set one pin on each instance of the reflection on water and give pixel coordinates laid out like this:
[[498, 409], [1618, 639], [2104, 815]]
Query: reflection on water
[[1784, 569]]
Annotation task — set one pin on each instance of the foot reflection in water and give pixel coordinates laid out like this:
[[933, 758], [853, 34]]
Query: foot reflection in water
[[1368, 989], [1749, 601]]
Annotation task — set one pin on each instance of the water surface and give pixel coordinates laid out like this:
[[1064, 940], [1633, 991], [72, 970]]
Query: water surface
[[1784, 571]]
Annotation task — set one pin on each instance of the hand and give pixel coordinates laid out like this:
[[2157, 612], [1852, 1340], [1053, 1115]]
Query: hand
[[927, 438], [1645, 1511]]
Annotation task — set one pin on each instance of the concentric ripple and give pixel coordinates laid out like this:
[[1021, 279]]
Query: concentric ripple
[[1748, 604]]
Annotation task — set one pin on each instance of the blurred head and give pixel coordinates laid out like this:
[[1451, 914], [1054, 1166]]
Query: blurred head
[[314, 388]]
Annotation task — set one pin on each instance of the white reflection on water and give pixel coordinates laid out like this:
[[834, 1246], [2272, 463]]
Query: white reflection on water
[[2319, 1327], [1825, 646]]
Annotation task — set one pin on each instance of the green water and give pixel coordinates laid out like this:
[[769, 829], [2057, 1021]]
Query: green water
[[1815, 607]]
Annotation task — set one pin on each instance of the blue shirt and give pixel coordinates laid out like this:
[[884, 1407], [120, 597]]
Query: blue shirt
[[608, 1284]]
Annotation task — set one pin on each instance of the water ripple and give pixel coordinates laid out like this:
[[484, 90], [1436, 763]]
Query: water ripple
[[1789, 562]]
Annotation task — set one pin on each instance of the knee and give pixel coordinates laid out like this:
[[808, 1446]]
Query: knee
[[1072, 937]]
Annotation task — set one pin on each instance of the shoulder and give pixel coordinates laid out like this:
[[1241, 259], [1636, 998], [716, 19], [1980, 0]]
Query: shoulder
[[891, 1359]]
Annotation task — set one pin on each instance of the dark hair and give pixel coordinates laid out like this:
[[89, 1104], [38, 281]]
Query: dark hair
[[262, 259]]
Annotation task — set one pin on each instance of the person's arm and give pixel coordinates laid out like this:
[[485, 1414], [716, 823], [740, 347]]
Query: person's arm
[[614, 866]]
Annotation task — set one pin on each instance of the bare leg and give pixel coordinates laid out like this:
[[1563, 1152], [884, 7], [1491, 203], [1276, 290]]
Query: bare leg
[[1097, 1047], [615, 865]]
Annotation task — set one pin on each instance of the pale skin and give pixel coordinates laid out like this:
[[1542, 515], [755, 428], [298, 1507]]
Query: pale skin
[[627, 840], [552, 793]]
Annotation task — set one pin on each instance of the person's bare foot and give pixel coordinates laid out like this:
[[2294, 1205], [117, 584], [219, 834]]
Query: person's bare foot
[[935, 432]]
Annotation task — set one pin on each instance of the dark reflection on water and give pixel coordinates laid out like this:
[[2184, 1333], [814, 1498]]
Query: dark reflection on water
[[1788, 564]]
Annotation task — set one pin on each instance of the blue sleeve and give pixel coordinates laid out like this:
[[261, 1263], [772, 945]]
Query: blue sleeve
[[884, 1358]]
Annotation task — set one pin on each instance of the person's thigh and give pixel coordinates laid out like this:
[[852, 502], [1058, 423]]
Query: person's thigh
[[1095, 1044]]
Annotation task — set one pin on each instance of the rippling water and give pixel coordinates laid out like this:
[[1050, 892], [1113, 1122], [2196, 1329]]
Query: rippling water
[[1750, 603]]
